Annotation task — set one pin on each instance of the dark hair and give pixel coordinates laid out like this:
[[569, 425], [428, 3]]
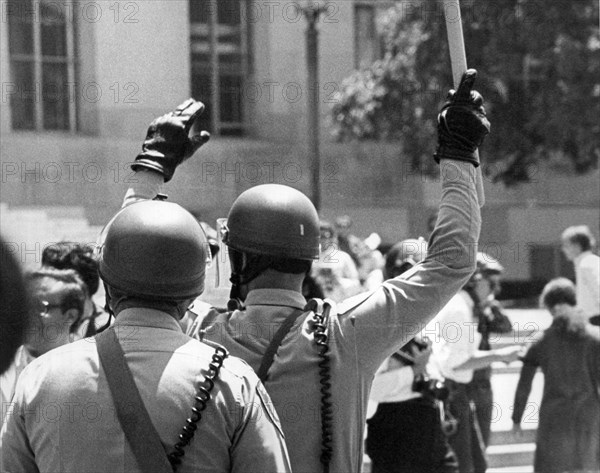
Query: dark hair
[[293, 266], [327, 230], [558, 291], [562, 291], [13, 307], [71, 255], [120, 300], [409, 251], [74, 293], [581, 236]]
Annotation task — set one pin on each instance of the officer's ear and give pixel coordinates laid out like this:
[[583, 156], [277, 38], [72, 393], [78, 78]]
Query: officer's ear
[[72, 317]]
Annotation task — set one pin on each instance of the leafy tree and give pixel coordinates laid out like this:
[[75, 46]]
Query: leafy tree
[[539, 71]]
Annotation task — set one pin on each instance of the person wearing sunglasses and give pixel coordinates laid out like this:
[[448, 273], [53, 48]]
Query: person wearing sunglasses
[[80, 257], [56, 305]]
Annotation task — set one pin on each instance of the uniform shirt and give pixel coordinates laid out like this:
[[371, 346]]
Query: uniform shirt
[[64, 417], [587, 277], [455, 338], [363, 331]]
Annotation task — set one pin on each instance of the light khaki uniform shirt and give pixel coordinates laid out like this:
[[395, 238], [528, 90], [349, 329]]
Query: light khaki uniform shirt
[[64, 420], [363, 332]]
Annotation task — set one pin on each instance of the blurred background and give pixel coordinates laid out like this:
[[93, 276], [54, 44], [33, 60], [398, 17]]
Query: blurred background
[[82, 80]]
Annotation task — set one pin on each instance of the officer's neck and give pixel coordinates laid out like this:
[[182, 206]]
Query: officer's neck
[[272, 279]]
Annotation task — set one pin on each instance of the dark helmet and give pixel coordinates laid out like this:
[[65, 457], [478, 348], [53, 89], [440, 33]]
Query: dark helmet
[[488, 265], [155, 250], [274, 220]]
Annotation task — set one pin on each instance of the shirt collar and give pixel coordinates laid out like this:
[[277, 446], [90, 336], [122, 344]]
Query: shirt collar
[[144, 317], [582, 255], [275, 297]]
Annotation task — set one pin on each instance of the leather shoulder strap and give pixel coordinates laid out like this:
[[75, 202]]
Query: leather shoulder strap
[[133, 416], [269, 356]]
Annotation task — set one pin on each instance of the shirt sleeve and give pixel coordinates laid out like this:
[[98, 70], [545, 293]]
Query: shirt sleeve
[[377, 323], [523, 390], [145, 185], [259, 446], [530, 363], [16, 454]]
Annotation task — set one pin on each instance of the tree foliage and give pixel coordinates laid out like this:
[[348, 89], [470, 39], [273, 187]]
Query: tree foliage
[[539, 71]]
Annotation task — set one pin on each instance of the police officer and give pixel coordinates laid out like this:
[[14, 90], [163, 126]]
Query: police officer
[[71, 415], [319, 370], [491, 318]]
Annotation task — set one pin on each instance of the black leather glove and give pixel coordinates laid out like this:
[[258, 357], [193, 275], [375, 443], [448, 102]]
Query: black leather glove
[[462, 124], [168, 142]]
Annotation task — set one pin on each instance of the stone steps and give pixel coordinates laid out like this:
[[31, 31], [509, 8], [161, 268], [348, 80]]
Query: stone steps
[[28, 230], [510, 455]]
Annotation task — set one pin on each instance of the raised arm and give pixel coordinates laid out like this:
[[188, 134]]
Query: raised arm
[[171, 139], [401, 307]]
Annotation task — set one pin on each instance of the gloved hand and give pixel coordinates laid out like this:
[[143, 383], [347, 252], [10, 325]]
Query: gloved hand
[[462, 124], [168, 143]]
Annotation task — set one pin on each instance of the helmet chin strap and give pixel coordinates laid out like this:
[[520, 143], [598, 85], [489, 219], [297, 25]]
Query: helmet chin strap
[[245, 267], [107, 308]]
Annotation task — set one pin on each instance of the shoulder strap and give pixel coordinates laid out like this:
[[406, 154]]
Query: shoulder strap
[[133, 416], [269, 356]]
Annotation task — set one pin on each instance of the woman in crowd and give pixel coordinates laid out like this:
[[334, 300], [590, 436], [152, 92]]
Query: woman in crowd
[[568, 435]]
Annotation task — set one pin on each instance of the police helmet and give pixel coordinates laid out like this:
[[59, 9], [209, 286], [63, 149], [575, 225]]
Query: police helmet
[[155, 250], [488, 265], [274, 220]]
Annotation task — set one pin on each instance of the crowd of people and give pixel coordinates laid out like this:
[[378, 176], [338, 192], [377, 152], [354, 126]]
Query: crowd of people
[[324, 334]]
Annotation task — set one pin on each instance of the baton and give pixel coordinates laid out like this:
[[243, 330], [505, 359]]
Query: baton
[[458, 59]]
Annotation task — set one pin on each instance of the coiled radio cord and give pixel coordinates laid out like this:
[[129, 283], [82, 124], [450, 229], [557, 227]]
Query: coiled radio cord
[[321, 338], [202, 398]]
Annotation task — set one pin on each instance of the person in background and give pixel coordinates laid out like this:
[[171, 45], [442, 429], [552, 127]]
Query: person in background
[[577, 245], [13, 307], [348, 242], [491, 319], [405, 432], [456, 354], [568, 433], [79, 257], [400, 257], [57, 299], [334, 272]]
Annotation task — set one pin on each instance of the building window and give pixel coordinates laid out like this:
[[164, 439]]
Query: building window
[[368, 46], [42, 65], [220, 62]]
